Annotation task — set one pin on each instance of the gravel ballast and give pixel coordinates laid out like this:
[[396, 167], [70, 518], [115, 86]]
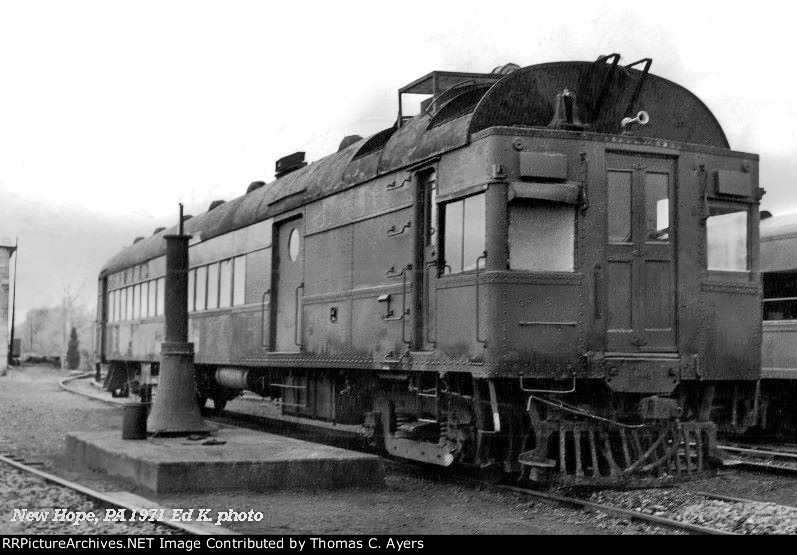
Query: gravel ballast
[[739, 517], [20, 490]]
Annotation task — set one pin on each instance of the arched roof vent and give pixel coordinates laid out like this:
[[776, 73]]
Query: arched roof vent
[[158, 230], [215, 204], [255, 185], [137, 239], [187, 217], [289, 163], [505, 69], [349, 140]]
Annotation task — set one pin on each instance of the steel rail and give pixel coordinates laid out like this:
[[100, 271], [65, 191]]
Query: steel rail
[[767, 460], [618, 512], [109, 498]]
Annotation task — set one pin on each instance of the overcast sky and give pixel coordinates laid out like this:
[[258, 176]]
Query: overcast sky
[[112, 112]]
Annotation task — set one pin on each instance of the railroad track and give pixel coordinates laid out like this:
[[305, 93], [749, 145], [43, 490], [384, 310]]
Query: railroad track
[[116, 500], [349, 437], [762, 458], [618, 512]]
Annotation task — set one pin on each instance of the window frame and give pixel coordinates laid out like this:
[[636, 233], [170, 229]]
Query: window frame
[[730, 206], [442, 215]]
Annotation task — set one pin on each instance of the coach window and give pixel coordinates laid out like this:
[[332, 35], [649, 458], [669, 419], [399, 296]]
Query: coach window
[[541, 236], [137, 301], [145, 299], [191, 279], [160, 305], [726, 238], [213, 285], [152, 300], [225, 283], [128, 303], [780, 295], [239, 280], [463, 239], [201, 288]]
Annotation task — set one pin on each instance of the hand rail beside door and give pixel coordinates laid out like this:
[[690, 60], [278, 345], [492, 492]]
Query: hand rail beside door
[[263, 341], [483, 256], [297, 335]]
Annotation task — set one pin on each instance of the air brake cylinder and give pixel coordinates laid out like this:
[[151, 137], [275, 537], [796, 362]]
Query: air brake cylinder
[[175, 411]]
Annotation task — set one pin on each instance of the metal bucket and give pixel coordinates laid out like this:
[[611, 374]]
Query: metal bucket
[[134, 423]]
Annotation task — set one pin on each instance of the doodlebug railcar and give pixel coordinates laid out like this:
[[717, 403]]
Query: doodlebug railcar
[[550, 270]]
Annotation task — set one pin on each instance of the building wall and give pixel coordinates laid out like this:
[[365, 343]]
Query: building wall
[[5, 253]]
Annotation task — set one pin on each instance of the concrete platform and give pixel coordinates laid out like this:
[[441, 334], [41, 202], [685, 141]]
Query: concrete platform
[[248, 460]]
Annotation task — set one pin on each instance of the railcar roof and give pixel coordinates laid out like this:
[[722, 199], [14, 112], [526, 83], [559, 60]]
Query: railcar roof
[[777, 227], [605, 94]]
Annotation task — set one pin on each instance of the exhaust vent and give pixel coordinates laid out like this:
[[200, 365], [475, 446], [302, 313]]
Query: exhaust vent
[[349, 140], [254, 185], [215, 204], [290, 163]]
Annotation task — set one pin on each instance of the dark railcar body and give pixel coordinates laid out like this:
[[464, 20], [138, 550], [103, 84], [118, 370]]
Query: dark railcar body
[[512, 238]]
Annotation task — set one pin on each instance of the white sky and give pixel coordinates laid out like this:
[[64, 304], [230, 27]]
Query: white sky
[[111, 112]]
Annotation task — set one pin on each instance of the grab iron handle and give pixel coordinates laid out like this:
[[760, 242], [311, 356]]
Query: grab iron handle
[[297, 334], [392, 232], [429, 265], [392, 273], [263, 342], [392, 185], [404, 310], [596, 276], [483, 256]]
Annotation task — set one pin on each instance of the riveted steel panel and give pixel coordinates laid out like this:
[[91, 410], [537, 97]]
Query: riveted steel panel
[[379, 251], [733, 183], [542, 165], [332, 251]]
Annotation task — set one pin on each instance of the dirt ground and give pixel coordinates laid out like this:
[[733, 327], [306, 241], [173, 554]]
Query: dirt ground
[[36, 414]]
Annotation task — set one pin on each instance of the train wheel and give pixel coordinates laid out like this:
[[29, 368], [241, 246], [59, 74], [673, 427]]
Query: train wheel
[[219, 403]]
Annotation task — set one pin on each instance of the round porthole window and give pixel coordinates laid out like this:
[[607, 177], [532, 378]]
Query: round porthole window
[[293, 244]]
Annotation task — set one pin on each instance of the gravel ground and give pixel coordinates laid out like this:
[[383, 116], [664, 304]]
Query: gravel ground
[[749, 485], [21, 490], [749, 517], [37, 414]]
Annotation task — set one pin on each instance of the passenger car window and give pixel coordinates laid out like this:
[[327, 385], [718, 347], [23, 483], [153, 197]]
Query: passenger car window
[[213, 285], [239, 280], [726, 239], [463, 242], [191, 279], [619, 206], [161, 293], [780, 295], [201, 287], [541, 237], [225, 283], [152, 299], [657, 207]]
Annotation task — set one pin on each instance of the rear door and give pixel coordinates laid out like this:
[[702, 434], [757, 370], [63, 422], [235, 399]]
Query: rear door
[[640, 266]]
